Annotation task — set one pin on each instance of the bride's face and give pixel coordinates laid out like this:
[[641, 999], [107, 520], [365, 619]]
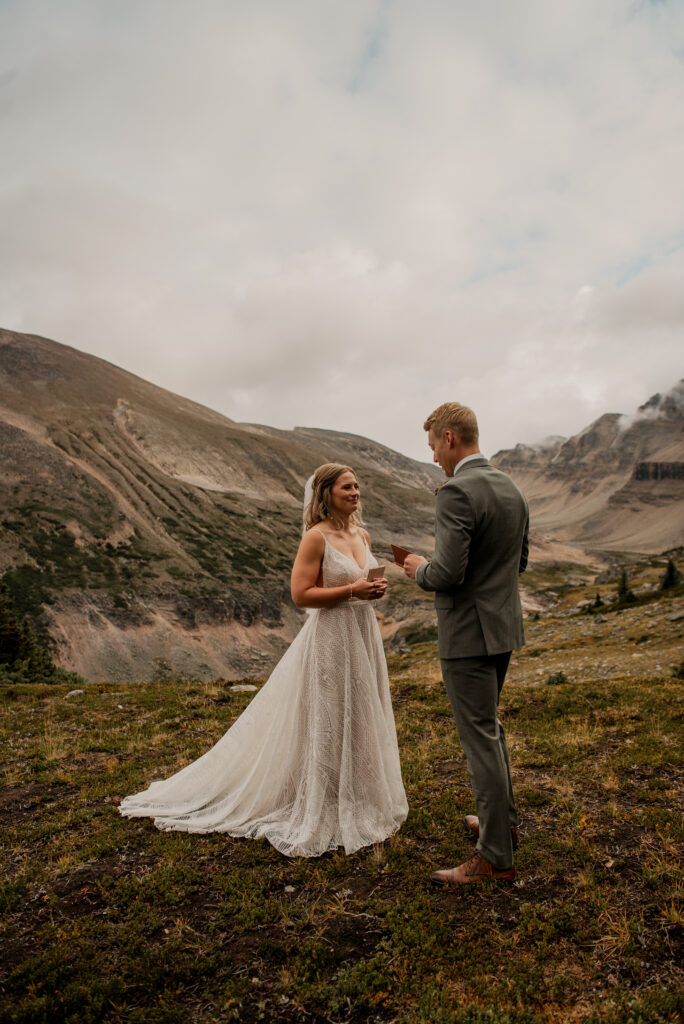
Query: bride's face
[[345, 494]]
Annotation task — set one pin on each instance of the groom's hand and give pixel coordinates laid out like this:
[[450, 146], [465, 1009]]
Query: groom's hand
[[411, 563]]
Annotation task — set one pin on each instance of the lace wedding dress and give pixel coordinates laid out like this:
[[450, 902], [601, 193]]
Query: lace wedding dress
[[312, 763]]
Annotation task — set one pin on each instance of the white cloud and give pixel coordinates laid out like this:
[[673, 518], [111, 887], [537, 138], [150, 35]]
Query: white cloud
[[341, 215]]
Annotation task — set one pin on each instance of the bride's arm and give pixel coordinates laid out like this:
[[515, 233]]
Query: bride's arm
[[305, 574]]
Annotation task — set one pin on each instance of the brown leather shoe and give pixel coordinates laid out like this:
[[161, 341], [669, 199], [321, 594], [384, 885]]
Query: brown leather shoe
[[472, 824], [475, 869]]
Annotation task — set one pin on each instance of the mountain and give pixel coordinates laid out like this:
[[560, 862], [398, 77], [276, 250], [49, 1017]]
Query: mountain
[[153, 537], [617, 485]]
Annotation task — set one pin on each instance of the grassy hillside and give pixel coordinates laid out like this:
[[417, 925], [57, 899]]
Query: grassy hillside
[[106, 919], [144, 533]]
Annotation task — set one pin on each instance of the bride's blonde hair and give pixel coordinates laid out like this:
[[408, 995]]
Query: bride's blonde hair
[[319, 507]]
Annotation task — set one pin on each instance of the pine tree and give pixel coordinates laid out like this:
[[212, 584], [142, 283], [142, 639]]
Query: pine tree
[[672, 577], [24, 657], [10, 630], [624, 594]]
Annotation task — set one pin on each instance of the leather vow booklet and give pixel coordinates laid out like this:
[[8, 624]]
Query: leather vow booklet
[[399, 554], [376, 572]]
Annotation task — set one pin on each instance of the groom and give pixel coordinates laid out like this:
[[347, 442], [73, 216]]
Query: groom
[[481, 544]]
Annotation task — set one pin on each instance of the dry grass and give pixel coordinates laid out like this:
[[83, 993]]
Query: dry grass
[[106, 919]]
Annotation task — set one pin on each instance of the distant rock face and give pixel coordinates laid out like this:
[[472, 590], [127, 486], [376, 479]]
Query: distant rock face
[[154, 536], [619, 484], [659, 471]]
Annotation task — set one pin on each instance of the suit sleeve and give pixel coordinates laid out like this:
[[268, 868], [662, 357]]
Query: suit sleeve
[[454, 524], [525, 550]]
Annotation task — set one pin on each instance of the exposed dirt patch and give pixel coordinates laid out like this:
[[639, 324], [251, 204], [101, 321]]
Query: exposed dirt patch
[[17, 803]]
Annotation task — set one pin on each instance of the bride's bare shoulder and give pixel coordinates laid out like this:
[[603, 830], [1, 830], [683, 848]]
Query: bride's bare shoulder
[[312, 540]]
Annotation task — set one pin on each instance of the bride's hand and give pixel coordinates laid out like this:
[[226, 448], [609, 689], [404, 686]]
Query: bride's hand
[[369, 590]]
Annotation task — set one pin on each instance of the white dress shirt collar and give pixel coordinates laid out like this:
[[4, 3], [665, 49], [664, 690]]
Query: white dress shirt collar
[[468, 458]]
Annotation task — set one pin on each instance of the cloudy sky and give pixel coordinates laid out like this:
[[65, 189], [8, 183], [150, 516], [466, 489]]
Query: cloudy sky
[[302, 212]]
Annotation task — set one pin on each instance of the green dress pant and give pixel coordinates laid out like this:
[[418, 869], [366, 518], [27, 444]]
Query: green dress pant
[[473, 686]]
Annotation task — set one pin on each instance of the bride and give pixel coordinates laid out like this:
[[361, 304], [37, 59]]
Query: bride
[[312, 764]]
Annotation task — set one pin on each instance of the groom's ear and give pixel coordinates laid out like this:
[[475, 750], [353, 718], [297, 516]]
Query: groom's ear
[[449, 437]]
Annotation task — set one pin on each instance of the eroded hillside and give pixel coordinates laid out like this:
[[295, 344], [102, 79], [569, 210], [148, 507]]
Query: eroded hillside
[[154, 536]]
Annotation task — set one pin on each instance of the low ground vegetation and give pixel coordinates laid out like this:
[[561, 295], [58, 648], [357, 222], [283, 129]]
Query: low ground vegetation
[[106, 919]]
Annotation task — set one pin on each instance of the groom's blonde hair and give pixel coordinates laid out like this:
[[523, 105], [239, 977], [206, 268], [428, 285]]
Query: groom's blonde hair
[[455, 417]]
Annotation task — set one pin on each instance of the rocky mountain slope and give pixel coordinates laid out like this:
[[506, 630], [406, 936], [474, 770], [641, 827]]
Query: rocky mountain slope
[[617, 485], [154, 536]]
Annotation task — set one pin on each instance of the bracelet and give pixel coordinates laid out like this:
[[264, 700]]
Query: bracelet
[[351, 591]]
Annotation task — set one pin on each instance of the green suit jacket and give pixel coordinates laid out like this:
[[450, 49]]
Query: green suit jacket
[[481, 545]]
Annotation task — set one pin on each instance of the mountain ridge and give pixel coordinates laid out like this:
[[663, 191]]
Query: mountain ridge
[[593, 489], [153, 537]]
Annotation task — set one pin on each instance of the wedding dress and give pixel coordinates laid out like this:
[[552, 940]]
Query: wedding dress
[[312, 764]]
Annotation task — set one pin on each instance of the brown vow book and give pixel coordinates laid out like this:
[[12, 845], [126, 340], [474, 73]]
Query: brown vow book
[[376, 572], [399, 554]]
